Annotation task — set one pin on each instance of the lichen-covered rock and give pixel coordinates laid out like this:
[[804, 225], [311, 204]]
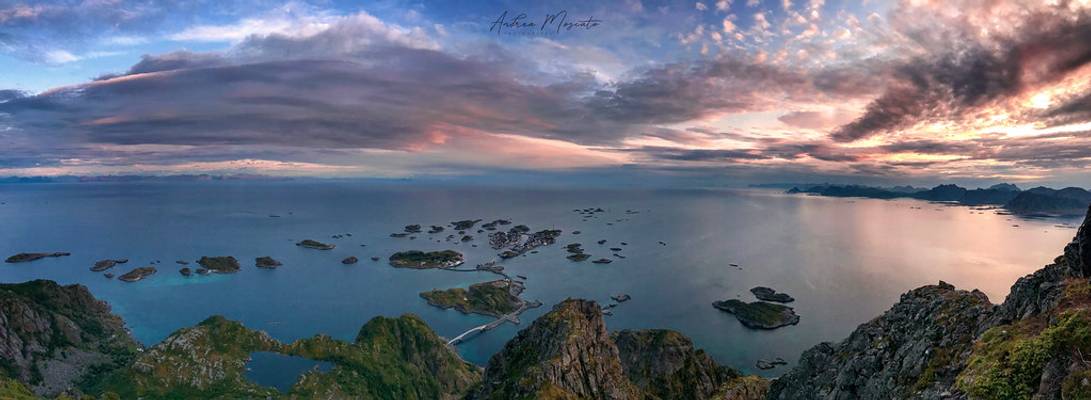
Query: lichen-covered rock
[[1033, 294], [665, 365], [53, 336], [565, 354], [1077, 254], [914, 350], [744, 388]]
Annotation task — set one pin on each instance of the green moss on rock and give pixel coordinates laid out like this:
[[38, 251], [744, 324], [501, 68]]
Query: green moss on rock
[[205, 361], [392, 358], [1008, 360]]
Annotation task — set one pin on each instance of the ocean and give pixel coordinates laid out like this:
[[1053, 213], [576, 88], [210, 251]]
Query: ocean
[[844, 260]]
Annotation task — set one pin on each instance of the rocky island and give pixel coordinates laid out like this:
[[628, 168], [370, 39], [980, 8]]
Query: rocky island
[[769, 294], [494, 298], [137, 274], [28, 257], [425, 260], [759, 314], [266, 262], [103, 265], [220, 264], [314, 244]]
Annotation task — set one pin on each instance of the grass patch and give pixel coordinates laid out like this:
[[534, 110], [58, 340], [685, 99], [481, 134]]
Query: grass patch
[[1007, 361]]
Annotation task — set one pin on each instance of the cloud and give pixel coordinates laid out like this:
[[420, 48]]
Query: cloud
[[675, 154], [817, 119], [9, 94], [965, 72], [54, 31]]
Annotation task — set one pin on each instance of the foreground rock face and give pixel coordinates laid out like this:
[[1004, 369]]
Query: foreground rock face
[[52, 336], [1077, 255], [665, 365], [915, 349], [939, 342], [565, 354], [568, 354]]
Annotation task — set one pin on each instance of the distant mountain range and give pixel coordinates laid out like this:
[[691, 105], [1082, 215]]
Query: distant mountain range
[[136, 178], [1037, 201]]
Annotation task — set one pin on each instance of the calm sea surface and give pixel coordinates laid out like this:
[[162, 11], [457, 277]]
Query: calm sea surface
[[844, 260]]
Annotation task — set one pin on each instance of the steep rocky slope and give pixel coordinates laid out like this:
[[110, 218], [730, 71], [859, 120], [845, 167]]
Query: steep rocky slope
[[568, 354], [391, 358], [54, 337], [915, 349], [664, 365], [204, 361], [939, 342]]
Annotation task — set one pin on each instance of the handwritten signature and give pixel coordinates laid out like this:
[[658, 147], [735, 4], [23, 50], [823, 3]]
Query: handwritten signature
[[552, 24]]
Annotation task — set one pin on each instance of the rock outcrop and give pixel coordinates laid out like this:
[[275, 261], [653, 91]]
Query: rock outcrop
[[938, 342], [53, 337], [915, 349], [204, 361], [1077, 254], [568, 354], [665, 365]]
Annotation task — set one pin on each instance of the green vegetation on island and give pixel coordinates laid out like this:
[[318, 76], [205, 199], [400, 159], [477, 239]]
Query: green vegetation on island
[[424, 260], [221, 264], [314, 244], [266, 262], [759, 314], [493, 298], [138, 273]]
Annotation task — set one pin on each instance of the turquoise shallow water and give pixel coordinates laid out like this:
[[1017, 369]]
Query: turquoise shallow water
[[844, 260]]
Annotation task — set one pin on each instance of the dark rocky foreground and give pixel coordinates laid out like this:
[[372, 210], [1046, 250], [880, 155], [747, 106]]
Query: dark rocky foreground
[[568, 354], [937, 342], [53, 336]]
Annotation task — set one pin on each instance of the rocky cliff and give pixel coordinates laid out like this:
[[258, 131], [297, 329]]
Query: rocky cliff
[[665, 365], [915, 349], [939, 342], [568, 354], [53, 337], [391, 358]]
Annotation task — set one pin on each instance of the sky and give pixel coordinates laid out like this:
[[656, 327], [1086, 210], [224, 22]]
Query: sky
[[912, 91]]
